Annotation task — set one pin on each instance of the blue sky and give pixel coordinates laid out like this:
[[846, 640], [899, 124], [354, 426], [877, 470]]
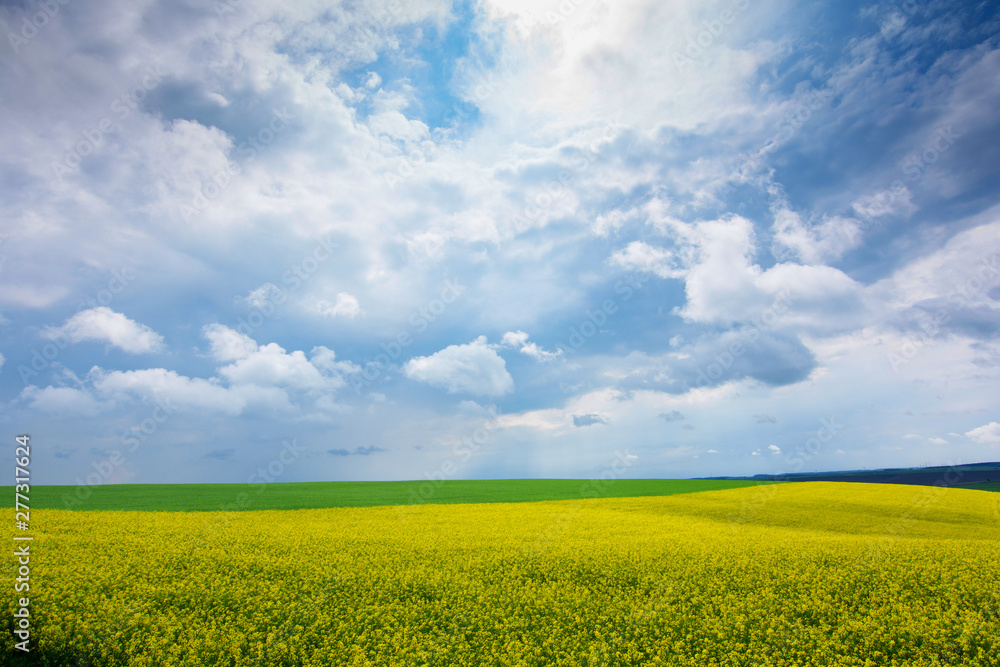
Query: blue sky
[[498, 239]]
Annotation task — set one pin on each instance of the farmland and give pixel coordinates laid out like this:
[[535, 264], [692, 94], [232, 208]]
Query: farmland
[[315, 495], [789, 574]]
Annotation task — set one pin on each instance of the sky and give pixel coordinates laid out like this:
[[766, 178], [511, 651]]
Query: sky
[[430, 240]]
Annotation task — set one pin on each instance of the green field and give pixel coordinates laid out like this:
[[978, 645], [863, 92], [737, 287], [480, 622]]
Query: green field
[[983, 486], [319, 495]]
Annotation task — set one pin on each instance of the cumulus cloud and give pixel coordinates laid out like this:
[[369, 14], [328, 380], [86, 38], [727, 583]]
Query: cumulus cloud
[[64, 401], [948, 291], [260, 377], [168, 386], [988, 434], [641, 256], [749, 353], [325, 359], [270, 365], [774, 449], [671, 416], [827, 240], [725, 286], [345, 305], [105, 325], [227, 344], [473, 368], [268, 293], [515, 339], [519, 341]]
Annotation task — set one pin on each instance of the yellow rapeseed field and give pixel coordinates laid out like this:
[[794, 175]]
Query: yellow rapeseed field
[[796, 574]]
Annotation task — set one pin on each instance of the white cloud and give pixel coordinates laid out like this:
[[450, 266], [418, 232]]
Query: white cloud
[[988, 434], [473, 368], [939, 441], [105, 325], [724, 286], [644, 257], [345, 305], [260, 378], [271, 365], [31, 296], [968, 258], [395, 125], [519, 340], [610, 61], [228, 344], [164, 385], [264, 295], [2, 359], [885, 203], [774, 449], [822, 242], [63, 401], [325, 359], [514, 339]]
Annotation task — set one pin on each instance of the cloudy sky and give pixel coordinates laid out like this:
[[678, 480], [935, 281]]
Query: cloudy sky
[[507, 238]]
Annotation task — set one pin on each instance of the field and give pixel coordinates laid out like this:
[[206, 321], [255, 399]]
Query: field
[[788, 574], [984, 486], [315, 495]]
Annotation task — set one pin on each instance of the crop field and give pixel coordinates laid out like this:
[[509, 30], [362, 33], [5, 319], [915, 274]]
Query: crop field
[[984, 486], [314, 495], [787, 574]]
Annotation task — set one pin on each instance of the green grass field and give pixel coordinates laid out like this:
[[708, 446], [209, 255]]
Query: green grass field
[[983, 486], [318, 495]]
